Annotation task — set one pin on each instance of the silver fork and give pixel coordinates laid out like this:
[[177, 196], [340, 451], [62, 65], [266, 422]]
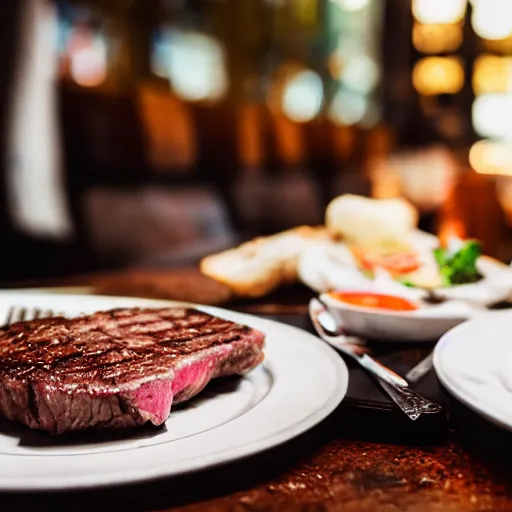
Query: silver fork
[[22, 313], [410, 402]]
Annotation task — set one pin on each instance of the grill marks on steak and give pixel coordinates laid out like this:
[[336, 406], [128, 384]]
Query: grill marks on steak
[[119, 368], [102, 344]]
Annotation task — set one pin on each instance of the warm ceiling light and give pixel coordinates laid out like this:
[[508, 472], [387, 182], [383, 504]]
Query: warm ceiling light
[[438, 75], [492, 73], [492, 19], [488, 157], [437, 38], [438, 11]]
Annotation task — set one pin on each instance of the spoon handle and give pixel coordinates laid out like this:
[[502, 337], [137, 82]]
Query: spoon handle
[[381, 371], [410, 402]]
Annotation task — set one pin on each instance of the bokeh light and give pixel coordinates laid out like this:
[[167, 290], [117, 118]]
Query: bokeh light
[[438, 11], [438, 75], [303, 96], [437, 38], [348, 108], [492, 73], [491, 157], [351, 5], [492, 114], [492, 19]]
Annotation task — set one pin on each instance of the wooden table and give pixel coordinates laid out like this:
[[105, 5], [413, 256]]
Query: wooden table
[[335, 466]]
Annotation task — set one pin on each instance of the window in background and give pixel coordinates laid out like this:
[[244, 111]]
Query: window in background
[[491, 20], [441, 64], [354, 62], [36, 196]]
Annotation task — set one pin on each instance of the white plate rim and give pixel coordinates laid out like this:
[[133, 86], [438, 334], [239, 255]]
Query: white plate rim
[[208, 460], [482, 408], [489, 263]]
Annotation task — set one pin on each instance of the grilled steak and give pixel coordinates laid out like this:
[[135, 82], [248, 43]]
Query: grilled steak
[[116, 369]]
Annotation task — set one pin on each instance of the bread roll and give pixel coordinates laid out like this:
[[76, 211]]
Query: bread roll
[[260, 266], [369, 222]]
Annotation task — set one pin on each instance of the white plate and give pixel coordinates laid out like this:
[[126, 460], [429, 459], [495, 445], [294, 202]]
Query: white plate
[[474, 363], [232, 419], [321, 272]]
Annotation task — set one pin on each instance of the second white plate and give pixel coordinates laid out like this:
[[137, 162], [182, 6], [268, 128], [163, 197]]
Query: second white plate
[[474, 363]]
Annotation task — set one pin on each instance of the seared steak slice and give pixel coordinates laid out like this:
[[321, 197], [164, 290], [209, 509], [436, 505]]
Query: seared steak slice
[[116, 369]]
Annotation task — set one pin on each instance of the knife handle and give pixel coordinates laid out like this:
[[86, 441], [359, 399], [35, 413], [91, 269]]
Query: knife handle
[[381, 371], [410, 402]]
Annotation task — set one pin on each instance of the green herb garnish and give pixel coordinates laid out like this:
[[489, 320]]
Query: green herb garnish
[[459, 266]]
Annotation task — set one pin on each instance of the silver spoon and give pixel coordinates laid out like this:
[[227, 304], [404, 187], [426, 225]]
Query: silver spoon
[[410, 402]]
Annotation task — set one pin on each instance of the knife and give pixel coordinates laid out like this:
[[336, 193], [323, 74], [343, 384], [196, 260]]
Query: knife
[[421, 369], [410, 402]]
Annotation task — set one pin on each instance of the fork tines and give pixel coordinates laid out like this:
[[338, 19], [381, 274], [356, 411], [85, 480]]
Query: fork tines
[[21, 313]]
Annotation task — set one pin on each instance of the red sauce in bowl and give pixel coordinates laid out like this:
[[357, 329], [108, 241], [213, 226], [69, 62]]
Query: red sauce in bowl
[[375, 300]]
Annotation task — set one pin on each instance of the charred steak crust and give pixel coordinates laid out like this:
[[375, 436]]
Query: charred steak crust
[[116, 369]]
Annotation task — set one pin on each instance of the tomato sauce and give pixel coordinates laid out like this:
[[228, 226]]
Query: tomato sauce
[[398, 263], [375, 300]]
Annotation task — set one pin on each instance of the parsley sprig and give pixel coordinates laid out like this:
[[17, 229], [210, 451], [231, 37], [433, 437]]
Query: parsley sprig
[[458, 265]]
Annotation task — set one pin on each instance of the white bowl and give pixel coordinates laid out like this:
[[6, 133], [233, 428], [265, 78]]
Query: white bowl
[[424, 324]]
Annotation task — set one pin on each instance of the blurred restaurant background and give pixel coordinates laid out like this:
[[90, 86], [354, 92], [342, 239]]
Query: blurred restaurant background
[[149, 133]]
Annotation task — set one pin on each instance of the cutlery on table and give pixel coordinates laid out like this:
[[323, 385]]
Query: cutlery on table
[[421, 369], [410, 402], [21, 313]]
